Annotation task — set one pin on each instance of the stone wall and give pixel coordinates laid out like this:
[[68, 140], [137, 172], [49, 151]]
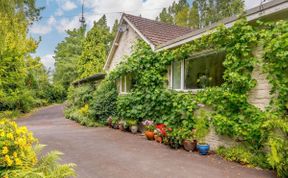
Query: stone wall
[[124, 48], [260, 95], [216, 140]]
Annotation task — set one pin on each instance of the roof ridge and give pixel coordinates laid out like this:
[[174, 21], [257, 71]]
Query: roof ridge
[[159, 22]]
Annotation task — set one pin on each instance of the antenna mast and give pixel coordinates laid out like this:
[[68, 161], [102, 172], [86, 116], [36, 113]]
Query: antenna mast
[[82, 18]]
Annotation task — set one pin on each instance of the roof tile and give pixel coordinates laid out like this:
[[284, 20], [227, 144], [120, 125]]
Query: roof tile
[[157, 32]]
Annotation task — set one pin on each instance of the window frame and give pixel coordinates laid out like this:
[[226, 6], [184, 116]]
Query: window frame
[[121, 90], [182, 76]]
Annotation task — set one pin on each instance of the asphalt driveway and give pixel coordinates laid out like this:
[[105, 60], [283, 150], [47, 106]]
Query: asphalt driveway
[[105, 153]]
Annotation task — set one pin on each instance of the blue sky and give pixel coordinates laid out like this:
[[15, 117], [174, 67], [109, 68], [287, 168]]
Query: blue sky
[[61, 15]]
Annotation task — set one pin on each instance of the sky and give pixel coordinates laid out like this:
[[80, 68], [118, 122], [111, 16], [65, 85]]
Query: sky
[[61, 15]]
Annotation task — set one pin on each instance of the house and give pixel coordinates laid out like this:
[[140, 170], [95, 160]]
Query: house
[[132, 28], [162, 36]]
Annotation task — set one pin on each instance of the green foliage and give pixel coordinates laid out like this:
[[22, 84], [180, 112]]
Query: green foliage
[[201, 13], [100, 99], [78, 99], [244, 156], [131, 122], [67, 54], [18, 156], [47, 166], [95, 49], [103, 103], [277, 141], [23, 79], [201, 126], [276, 60]]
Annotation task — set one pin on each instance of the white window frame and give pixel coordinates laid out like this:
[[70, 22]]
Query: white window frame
[[123, 91], [182, 79]]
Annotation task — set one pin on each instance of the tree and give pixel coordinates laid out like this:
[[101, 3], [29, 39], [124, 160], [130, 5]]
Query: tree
[[115, 28], [201, 13], [182, 17], [24, 9], [95, 49], [194, 16], [19, 72], [165, 17], [67, 55]]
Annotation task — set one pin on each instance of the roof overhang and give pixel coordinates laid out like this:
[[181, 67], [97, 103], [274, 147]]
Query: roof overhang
[[118, 37], [92, 78], [273, 10]]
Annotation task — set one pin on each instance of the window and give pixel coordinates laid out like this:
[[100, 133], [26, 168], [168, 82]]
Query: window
[[176, 75], [198, 72], [126, 83]]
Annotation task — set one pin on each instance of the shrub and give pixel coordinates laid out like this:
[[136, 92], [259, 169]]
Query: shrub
[[244, 156], [18, 156], [16, 146], [103, 103]]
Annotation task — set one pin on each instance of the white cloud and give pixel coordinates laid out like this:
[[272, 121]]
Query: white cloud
[[68, 6], [40, 29], [67, 24], [43, 29], [48, 61], [148, 9]]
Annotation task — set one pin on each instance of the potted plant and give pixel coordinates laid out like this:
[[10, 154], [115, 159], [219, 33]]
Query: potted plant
[[175, 139], [122, 125], [160, 132], [109, 121], [149, 129], [132, 123], [114, 123], [158, 136], [202, 129], [189, 142]]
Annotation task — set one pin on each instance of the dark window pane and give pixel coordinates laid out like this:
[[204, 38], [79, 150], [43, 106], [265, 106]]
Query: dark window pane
[[128, 82], [176, 72], [123, 84], [204, 71]]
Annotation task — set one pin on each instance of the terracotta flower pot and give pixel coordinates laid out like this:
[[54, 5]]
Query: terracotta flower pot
[[149, 135], [158, 138], [189, 145]]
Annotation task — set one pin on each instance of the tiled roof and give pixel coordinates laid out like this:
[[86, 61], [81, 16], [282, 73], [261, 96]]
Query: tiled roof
[[157, 32]]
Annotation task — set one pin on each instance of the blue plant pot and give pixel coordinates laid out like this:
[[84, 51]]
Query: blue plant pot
[[203, 149]]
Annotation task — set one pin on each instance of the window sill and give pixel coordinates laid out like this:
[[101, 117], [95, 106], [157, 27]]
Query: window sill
[[123, 93], [193, 91]]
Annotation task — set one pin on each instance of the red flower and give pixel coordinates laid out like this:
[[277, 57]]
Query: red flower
[[161, 128]]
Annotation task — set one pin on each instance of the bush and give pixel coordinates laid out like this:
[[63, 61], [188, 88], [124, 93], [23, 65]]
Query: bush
[[278, 144], [18, 156], [103, 103], [16, 143]]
